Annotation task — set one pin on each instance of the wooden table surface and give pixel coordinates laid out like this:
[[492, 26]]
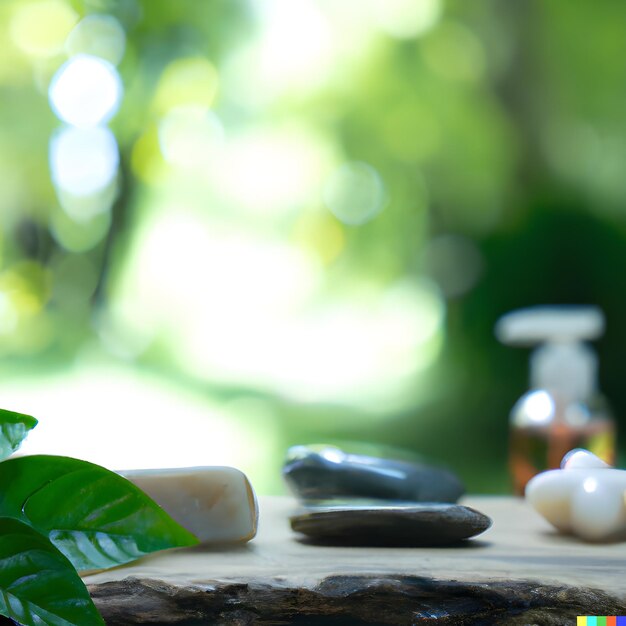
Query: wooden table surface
[[518, 572]]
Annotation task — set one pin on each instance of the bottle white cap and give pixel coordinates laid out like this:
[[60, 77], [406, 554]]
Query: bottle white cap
[[563, 365]]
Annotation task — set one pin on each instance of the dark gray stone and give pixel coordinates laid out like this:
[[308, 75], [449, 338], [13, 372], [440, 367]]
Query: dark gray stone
[[327, 472], [402, 525]]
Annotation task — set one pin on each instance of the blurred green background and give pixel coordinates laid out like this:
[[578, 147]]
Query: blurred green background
[[230, 226]]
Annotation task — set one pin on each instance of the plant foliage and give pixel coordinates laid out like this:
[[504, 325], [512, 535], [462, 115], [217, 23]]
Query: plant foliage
[[13, 430], [59, 515]]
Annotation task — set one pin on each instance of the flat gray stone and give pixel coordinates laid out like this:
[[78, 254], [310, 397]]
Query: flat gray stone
[[402, 525]]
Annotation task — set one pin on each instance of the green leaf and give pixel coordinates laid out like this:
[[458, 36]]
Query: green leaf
[[95, 517], [13, 430], [38, 585]]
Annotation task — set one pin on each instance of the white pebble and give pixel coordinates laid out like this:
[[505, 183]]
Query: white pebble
[[586, 498]]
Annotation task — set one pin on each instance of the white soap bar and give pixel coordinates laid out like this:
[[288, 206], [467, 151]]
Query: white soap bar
[[217, 504], [586, 498]]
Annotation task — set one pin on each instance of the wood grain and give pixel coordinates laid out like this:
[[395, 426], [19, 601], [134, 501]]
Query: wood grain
[[518, 572]]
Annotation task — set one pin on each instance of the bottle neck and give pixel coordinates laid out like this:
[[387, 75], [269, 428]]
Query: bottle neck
[[567, 370]]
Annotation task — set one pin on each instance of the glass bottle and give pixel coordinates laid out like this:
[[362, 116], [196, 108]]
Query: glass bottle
[[563, 409]]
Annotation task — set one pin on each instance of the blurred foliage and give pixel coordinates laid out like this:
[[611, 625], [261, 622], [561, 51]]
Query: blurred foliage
[[323, 207]]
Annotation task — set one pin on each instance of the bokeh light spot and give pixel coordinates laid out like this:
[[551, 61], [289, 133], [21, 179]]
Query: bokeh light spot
[[146, 159], [26, 288], [8, 314], [84, 208], [190, 136], [454, 52], [406, 19], [98, 35], [275, 170], [419, 310], [79, 236], [296, 48], [354, 193], [83, 161], [40, 28], [86, 91], [191, 80], [321, 233]]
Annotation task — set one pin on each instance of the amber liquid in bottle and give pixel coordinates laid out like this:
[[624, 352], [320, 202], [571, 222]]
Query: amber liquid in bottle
[[535, 447]]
